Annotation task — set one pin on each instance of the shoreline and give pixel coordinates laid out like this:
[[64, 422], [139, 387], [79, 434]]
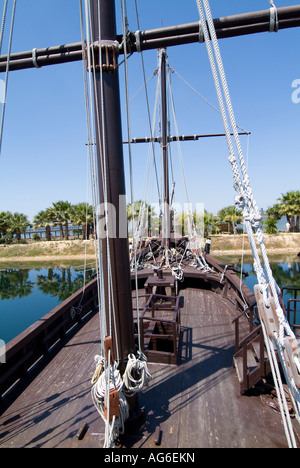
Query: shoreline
[[74, 250], [44, 258]]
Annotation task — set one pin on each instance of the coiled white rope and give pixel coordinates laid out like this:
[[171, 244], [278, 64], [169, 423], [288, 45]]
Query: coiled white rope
[[103, 381], [136, 375], [107, 378]]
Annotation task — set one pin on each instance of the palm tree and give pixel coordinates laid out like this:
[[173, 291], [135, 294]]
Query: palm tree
[[18, 223], [4, 222], [60, 214], [210, 224], [290, 207], [144, 214], [133, 211], [230, 214], [43, 219], [82, 215]]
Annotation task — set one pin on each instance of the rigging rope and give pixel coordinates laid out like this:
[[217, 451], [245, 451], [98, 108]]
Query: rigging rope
[[107, 376], [3, 24], [8, 61], [193, 235], [252, 217]]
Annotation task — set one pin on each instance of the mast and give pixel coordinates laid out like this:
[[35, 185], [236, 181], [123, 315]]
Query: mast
[[164, 143], [115, 252]]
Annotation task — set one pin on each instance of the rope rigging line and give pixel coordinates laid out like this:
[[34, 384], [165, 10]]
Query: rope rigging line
[[136, 365], [91, 148], [3, 24], [267, 292], [142, 215], [193, 235], [148, 106], [8, 61], [108, 385], [210, 104]]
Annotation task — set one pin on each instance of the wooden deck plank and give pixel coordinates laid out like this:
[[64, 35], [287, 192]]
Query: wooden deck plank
[[196, 404]]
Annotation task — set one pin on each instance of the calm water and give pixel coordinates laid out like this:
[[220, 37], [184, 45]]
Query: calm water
[[286, 272], [27, 294]]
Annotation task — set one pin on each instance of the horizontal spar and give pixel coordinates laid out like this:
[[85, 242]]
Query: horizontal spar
[[230, 26], [181, 138]]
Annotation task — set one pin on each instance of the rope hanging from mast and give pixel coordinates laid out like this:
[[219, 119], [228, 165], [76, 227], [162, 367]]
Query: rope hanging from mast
[[109, 386], [267, 293]]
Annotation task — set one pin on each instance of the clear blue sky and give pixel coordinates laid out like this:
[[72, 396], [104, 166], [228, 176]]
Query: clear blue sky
[[43, 157]]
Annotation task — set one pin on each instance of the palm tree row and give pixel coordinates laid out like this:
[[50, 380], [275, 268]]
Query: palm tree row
[[13, 224], [210, 222], [61, 214]]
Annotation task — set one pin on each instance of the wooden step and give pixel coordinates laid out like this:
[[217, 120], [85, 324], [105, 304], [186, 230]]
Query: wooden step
[[251, 364], [256, 347]]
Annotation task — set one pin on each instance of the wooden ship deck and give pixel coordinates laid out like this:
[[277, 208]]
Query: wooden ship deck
[[205, 350], [194, 404]]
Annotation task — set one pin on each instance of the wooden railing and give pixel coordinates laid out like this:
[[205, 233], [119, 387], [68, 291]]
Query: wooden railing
[[249, 357], [250, 313], [29, 350], [231, 286], [291, 307]]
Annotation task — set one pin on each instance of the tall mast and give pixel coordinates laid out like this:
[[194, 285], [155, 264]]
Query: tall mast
[[166, 212], [115, 253]]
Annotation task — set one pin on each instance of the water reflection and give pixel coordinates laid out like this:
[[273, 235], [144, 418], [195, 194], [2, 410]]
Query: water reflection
[[27, 294], [286, 272], [58, 282], [62, 283], [15, 283]]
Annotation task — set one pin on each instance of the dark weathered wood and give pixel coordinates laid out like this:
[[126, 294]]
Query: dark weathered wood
[[195, 137], [232, 26], [196, 404], [111, 184], [57, 403]]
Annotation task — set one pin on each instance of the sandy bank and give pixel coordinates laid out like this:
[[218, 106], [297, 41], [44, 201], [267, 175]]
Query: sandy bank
[[276, 244]]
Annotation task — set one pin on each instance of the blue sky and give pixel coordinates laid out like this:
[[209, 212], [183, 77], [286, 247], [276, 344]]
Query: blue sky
[[43, 156]]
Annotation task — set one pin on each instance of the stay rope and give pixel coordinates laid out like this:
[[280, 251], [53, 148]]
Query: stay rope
[[3, 97], [252, 218]]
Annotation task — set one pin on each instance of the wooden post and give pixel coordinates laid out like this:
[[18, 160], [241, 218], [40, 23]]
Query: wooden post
[[109, 143], [166, 212]]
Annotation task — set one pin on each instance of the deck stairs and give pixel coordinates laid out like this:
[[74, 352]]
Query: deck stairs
[[250, 359]]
